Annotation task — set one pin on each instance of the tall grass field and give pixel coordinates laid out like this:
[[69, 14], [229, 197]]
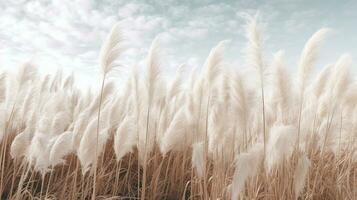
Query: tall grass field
[[217, 131]]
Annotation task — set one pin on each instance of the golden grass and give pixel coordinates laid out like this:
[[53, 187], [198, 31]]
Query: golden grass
[[171, 177]]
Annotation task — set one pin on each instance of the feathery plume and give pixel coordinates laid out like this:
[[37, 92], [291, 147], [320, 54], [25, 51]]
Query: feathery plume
[[307, 62], [300, 174], [350, 98], [152, 75], [125, 138], [176, 84], [29, 102], [175, 136], [309, 55], [86, 152], [112, 49], [37, 153], [247, 165], [26, 72], [255, 43], [198, 160], [45, 83], [280, 145], [254, 56], [20, 144], [60, 122], [68, 82], [281, 81], [342, 76], [321, 81], [214, 63], [61, 147], [57, 80]]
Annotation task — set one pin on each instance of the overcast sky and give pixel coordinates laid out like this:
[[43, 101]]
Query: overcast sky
[[68, 33]]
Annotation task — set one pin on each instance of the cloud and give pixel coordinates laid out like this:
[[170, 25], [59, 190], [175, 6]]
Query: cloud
[[68, 33], [62, 30]]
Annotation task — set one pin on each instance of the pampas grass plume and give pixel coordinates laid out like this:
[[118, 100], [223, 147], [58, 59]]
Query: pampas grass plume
[[300, 175]]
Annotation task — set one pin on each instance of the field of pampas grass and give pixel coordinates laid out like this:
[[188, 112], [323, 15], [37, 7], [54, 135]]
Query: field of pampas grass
[[208, 133]]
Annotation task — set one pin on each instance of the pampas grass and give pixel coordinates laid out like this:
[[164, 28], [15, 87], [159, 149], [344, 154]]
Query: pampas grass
[[125, 138], [254, 54], [111, 50], [302, 168], [247, 165], [206, 134], [280, 144], [306, 64], [198, 160]]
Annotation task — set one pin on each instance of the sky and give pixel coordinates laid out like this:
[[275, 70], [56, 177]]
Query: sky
[[67, 34]]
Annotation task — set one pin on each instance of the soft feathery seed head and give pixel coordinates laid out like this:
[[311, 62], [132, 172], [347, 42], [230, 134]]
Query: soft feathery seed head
[[125, 137], [198, 158], [309, 55], [61, 147], [26, 72], [321, 80], [214, 64], [153, 68], [176, 84], [112, 49], [300, 174], [281, 91], [342, 75], [254, 46], [280, 144]]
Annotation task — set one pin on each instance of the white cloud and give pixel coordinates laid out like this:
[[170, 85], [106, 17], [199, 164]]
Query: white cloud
[[68, 33]]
